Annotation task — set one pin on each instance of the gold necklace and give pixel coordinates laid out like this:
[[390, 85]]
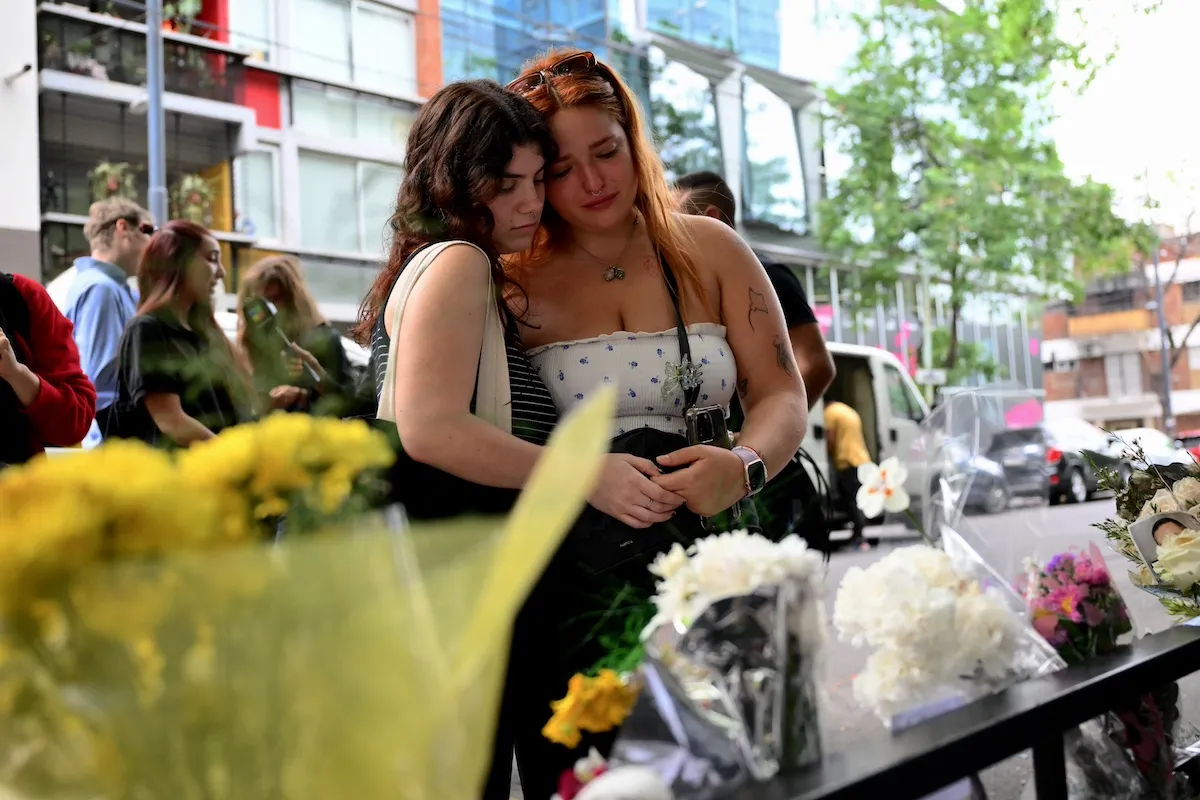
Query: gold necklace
[[611, 271]]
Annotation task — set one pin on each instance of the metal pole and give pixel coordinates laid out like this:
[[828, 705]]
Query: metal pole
[[1168, 415], [156, 151]]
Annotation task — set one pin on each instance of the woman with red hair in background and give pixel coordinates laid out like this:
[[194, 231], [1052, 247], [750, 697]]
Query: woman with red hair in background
[[179, 381], [673, 310]]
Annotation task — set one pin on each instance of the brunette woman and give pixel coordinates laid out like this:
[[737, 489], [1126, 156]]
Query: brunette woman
[[471, 413], [311, 375], [178, 381], [673, 310]]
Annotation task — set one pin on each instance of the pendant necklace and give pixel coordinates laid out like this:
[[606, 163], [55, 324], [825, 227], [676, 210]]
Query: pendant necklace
[[612, 272]]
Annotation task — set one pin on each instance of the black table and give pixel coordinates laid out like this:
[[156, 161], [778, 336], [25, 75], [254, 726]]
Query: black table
[[1033, 714]]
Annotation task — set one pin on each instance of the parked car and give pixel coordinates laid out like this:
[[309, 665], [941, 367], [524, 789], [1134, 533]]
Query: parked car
[[1158, 448], [988, 489], [1190, 441], [1075, 449], [1021, 452]]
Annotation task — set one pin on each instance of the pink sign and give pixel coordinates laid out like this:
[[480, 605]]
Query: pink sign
[[1025, 415], [824, 315], [1035, 347]]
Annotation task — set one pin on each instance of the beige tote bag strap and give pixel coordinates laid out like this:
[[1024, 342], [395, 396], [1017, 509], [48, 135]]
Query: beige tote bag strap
[[492, 401]]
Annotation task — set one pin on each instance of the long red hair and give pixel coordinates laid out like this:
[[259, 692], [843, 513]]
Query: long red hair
[[162, 274], [603, 87]]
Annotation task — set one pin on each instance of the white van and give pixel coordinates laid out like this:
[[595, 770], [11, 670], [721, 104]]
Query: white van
[[876, 384]]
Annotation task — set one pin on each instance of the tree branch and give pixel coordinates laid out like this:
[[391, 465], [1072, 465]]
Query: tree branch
[[1182, 252], [1177, 352]]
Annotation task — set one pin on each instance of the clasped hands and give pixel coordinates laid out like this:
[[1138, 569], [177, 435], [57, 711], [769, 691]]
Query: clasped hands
[[636, 491]]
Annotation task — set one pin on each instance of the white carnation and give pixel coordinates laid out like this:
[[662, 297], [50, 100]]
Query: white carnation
[[727, 565], [927, 624]]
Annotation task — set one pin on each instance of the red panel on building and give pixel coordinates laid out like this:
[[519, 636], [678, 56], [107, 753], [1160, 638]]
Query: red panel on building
[[215, 15], [262, 94]]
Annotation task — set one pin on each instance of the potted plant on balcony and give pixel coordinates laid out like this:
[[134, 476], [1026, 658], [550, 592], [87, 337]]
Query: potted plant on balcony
[[179, 16], [108, 179], [192, 199]]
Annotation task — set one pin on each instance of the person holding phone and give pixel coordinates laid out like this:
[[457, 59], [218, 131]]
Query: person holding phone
[[179, 380], [297, 357], [676, 313]]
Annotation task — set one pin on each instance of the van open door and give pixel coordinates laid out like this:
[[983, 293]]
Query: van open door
[[902, 410]]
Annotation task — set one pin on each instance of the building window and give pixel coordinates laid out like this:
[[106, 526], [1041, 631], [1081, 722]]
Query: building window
[[354, 41], [900, 399], [384, 50], [337, 114], [773, 188], [345, 204], [481, 41], [1123, 374], [709, 23], [1069, 365], [1190, 291], [758, 32], [683, 114], [252, 27], [256, 199]]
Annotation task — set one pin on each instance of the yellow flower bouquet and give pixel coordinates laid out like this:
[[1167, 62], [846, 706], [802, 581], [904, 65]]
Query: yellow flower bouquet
[[153, 646]]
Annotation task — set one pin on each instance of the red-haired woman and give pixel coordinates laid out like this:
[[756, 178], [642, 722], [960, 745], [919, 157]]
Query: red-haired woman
[[179, 381], [673, 310]]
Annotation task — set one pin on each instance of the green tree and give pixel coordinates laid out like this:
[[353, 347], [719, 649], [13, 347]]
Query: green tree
[[687, 142], [973, 360], [944, 117]]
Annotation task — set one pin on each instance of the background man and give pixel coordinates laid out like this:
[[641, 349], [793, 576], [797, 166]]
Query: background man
[[99, 301], [847, 452]]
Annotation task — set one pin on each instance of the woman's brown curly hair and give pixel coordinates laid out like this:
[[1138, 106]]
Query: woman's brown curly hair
[[458, 150]]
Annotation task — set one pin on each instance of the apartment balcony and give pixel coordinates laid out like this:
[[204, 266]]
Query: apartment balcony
[[110, 49], [1109, 323]]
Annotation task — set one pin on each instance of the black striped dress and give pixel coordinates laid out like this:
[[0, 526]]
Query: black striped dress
[[428, 493]]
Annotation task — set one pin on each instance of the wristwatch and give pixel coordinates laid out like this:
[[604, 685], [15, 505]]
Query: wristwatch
[[756, 470]]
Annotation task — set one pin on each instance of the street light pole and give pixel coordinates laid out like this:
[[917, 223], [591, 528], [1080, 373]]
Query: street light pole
[[1165, 347], [156, 153]]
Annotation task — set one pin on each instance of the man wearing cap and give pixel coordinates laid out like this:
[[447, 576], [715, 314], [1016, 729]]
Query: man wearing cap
[[100, 302]]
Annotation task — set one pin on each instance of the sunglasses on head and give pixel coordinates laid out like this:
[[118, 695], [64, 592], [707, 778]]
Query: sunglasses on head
[[135, 222], [571, 65]]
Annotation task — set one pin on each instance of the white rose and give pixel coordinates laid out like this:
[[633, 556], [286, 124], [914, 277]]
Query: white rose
[[1187, 492], [1179, 560], [1162, 502]]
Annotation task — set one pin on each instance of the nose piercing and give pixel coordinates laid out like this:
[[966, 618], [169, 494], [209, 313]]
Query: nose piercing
[[597, 192]]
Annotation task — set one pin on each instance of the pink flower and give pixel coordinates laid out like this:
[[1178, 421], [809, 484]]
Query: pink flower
[[1092, 615], [1065, 601], [1045, 622]]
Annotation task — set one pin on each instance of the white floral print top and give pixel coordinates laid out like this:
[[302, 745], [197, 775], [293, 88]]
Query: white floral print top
[[645, 367]]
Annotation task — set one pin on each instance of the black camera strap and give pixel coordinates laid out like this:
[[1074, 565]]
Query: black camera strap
[[690, 393]]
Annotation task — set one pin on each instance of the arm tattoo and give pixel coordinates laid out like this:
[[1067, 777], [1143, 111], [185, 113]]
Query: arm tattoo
[[783, 355], [758, 303], [742, 385]]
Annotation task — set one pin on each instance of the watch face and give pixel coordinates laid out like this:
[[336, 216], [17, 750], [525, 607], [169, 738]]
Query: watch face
[[756, 471]]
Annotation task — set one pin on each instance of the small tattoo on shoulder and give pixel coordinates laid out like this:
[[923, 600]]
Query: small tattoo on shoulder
[[783, 355], [742, 385], [758, 304]]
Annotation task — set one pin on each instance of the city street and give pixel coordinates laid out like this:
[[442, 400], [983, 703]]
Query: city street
[[1029, 530]]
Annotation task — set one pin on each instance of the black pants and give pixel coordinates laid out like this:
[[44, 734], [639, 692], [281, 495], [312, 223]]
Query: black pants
[[550, 643], [556, 635], [848, 486]]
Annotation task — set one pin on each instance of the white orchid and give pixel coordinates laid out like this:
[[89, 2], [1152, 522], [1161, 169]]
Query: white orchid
[[882, 488]]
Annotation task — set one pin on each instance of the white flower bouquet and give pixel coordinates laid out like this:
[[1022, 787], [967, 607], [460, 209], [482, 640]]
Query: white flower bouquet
[[933, 628], [731, 656]]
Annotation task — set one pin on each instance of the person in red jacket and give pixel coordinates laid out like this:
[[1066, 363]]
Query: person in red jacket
[[46, 400]]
